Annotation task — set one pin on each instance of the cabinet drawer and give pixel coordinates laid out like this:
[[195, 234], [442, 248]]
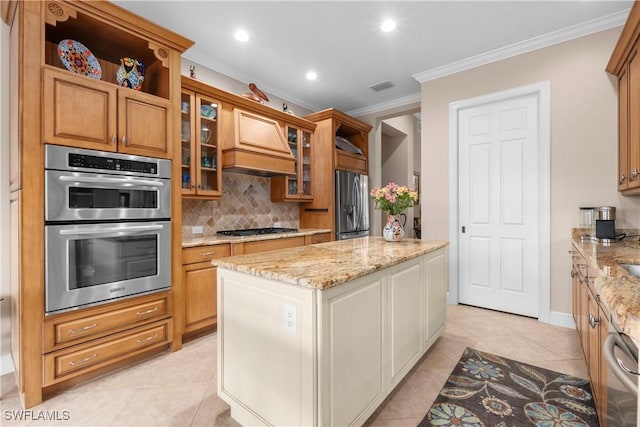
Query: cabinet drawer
[[320, 238], [63, 364], [71, 331], [205, 253]]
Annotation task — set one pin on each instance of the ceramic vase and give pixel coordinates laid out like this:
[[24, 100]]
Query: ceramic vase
[[393, 230], [130, 73]]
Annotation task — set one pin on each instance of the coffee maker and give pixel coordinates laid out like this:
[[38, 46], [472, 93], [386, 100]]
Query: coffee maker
[[606, 224]]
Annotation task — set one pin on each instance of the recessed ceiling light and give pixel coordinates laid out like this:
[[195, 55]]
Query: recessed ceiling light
[[388, 25], [312, 75], [241, 36]]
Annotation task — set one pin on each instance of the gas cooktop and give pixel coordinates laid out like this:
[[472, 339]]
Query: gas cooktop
[[256, 231]]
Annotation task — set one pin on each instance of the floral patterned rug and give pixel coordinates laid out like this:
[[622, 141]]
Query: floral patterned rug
[[489, 390]]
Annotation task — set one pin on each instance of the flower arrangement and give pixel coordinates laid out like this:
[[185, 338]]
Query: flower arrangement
[[394, 198]]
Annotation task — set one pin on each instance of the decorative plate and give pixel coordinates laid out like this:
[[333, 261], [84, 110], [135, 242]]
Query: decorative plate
[[77, 58], [208, 111]]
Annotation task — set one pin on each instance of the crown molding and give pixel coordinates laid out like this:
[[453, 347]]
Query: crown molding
[[387, 105], [194, 56], [579, 30]]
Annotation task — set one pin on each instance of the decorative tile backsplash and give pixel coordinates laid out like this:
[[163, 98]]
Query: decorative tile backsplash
[[245, 203]]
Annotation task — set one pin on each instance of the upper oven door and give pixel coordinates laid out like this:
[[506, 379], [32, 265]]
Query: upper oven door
[[80, 196]]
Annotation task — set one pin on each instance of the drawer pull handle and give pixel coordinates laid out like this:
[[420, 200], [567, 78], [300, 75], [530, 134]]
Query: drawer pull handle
[[148, 339], [84, 328], [207, 253], [85, 360], [593, 322], [142, 313]]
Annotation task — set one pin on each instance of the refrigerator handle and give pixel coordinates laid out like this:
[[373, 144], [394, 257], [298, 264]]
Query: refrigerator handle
[[356, 198]]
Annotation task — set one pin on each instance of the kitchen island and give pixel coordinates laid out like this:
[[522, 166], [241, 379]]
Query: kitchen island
[[321, 334]]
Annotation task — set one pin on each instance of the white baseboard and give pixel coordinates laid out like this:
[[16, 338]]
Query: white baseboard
[[562, 319], [7, 364]]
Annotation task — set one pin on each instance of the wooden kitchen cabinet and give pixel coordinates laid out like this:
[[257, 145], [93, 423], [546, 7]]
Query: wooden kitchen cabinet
[[297, 187], [68, 363], [199, 282], [200, 142], [82, 112], [82, 341], [272, 244], [593, 327], [331, 123], [52, 105], [199, 277], [625, 64]]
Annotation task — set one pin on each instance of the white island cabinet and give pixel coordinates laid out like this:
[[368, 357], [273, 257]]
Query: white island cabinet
[[320, 335]]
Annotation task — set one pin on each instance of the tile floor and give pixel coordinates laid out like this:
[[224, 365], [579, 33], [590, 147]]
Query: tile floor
[[179, 389]]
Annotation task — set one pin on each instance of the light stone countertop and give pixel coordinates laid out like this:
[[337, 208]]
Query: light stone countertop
[[618, 289], [189, 242], [325, 265]]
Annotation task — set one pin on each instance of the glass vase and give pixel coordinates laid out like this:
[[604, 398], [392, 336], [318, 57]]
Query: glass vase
[[393, 230]]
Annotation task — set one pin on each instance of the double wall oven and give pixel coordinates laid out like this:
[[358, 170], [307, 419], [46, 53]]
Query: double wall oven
[[107, 227]]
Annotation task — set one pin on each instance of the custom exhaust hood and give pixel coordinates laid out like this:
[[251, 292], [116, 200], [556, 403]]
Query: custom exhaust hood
[[256, 146]]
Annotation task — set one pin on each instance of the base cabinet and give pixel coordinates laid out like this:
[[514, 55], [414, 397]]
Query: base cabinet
[[334, 355], [81, 342], [592, 324], [199, 281], [199, 277]]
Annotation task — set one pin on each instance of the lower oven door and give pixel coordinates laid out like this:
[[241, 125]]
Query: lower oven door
[[622, 380], [87, 264]]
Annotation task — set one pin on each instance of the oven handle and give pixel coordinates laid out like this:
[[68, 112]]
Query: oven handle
[[616, 364], [104, 230], [122, 182]]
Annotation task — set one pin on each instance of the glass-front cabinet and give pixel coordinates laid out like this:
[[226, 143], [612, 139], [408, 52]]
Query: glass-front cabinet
[[199, 135], [299, 186]]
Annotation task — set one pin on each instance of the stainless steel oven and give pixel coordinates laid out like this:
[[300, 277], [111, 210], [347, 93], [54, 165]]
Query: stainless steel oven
[[86, 185], [107, 227]]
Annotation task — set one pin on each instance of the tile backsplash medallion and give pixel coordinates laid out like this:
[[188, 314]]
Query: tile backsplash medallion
[[245, 203]]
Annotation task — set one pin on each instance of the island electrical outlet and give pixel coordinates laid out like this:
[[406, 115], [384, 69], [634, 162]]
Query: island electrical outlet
[[290, 318]]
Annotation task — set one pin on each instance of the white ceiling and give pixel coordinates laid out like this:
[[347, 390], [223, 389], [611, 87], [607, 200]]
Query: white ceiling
[[342, 41]]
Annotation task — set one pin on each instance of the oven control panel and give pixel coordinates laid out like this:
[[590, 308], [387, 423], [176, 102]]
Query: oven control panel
[[112, 164]]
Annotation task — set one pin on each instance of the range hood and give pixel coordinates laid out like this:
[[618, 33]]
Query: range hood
[[256, 146]]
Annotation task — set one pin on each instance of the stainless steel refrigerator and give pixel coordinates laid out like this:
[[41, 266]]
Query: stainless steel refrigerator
[[352, 205]]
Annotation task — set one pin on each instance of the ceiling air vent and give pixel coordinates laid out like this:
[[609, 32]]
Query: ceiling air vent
[[381, 86]]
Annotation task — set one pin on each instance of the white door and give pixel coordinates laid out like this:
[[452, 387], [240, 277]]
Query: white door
[[498, 205]]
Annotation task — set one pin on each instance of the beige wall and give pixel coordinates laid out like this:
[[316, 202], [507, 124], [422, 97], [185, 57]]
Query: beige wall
[[583, 140]]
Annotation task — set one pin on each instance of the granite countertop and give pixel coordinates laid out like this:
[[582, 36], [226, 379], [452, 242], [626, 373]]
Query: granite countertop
[[189, 242], [618, 289], [325, 265]]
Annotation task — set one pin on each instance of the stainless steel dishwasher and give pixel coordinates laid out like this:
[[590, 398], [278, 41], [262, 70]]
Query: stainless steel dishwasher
[[621, 354]]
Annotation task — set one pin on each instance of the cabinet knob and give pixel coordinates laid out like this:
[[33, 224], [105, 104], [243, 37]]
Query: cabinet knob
[[634, 174], [114, 138], [124, 140], [622, 179]]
